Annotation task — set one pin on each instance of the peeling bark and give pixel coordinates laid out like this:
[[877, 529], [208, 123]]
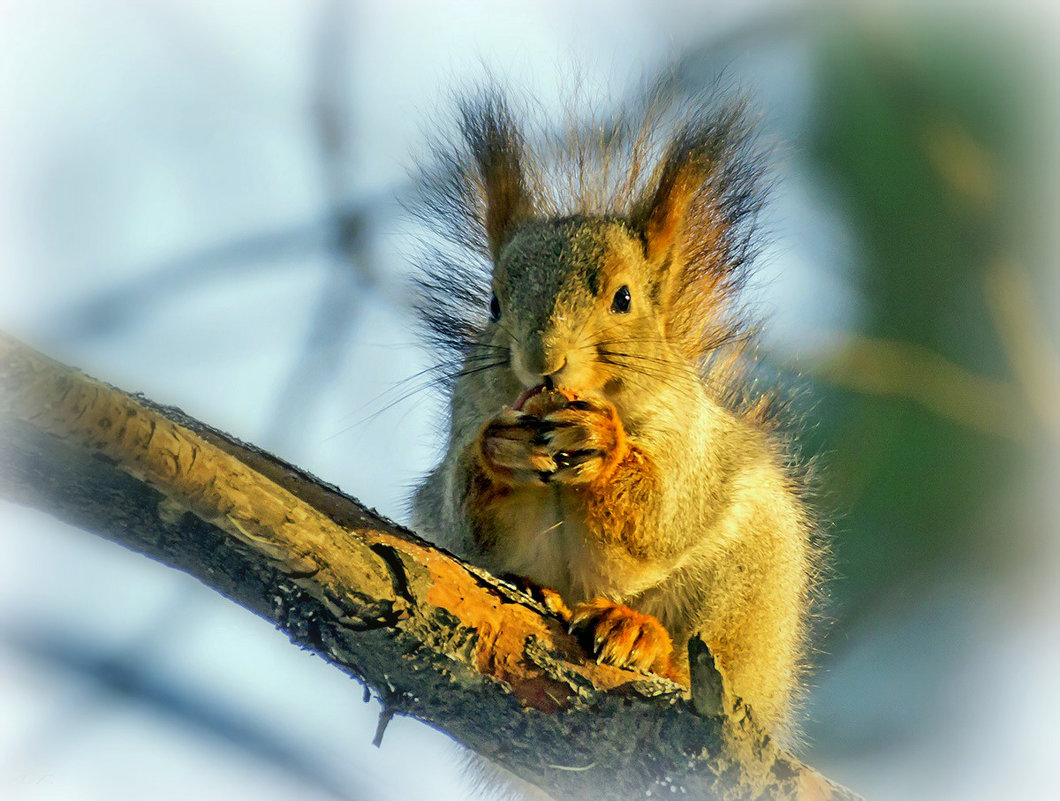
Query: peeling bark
[[433, 637]]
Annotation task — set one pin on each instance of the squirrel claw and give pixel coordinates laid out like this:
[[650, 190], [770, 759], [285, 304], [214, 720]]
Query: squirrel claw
[[549, 598], [573, 443], [621, 636]]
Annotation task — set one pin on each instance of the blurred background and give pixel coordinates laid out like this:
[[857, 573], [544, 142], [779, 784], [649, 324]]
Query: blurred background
[[200, 201]]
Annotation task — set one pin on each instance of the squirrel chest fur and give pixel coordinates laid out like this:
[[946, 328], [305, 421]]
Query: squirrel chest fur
[[604, 441]]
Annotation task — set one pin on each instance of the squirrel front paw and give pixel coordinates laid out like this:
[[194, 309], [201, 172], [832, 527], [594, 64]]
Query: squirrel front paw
[[570, 441], [585, 439], [509, 448], [623, 637]]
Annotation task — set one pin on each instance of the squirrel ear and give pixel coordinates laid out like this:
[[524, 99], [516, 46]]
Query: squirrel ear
[[497, 148], [661, 217]]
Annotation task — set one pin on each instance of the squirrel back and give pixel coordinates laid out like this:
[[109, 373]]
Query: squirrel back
[[606, 443]]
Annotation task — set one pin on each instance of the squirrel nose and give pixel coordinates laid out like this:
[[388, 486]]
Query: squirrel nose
[[550, 379], [543, 364]]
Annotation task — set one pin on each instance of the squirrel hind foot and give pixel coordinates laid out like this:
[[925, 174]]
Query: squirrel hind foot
[[617, 635]]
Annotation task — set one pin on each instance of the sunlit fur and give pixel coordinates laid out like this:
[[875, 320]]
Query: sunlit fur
[[692, 515]]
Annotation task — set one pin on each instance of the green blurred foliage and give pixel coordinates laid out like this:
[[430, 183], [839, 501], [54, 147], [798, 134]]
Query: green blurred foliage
[[921, 132]]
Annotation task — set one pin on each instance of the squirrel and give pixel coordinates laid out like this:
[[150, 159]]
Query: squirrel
[[606, 440]]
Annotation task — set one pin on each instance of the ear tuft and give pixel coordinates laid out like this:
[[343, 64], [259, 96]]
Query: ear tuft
[[497, 147], [661, 220], [708, 171]]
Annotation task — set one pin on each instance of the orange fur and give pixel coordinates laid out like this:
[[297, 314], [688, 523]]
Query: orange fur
[[622, 636], [617, 504]]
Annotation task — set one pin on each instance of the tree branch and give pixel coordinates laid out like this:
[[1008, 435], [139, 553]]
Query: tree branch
[[433, 637]]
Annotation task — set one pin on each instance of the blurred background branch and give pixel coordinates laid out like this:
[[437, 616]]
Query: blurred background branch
[[349, 278], [915, 373], [1034, 358]]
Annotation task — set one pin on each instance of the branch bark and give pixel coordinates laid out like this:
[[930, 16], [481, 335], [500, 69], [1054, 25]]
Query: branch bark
[[433, 637]]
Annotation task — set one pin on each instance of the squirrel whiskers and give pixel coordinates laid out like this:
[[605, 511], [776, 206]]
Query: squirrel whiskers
[[606, 443], [607, 168]]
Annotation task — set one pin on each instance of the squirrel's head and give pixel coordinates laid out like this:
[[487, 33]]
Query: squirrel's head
[[625, 287], [577, 303]]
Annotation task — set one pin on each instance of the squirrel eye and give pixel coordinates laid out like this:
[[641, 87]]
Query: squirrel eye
[[495, 308], [621, 302]]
